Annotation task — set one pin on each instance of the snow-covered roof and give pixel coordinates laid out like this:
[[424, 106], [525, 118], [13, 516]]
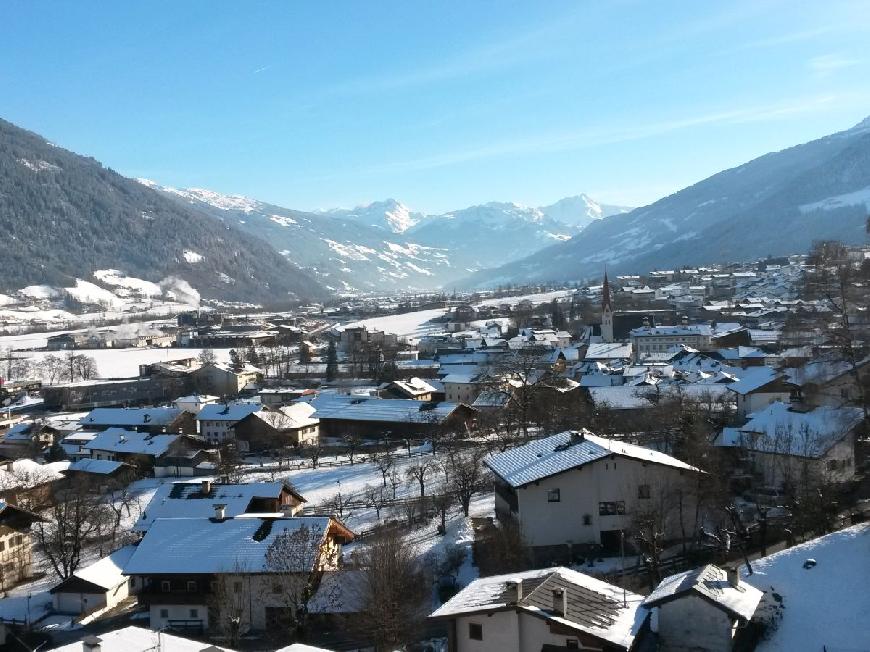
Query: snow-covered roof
[[186, 500], [26, 474], [207, 545], [711, 583], [227, 411], [608, 351], [367, 408], [568, 450], [118, 440], [138, 639], [826, 606], [779, 429], [753, 378], [594, 607], [492, 399], [107, 573], [159, 416], [102, 467], [414, 386], [289, 417]]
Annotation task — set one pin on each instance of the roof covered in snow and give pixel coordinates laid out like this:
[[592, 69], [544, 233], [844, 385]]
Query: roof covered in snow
[[754, 378], [608, 351], [101, 467], [118, 440], [107, 573], [226, 411], [367, 408], [568, 450], [823, 607], [105, 417], [138, 639], [594, 607], [711, 583], [187, 500], [621, 397], [780, 429], [289, 417], [207, 545]]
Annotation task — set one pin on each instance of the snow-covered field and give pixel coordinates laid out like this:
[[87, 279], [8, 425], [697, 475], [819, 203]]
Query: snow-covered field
[[122, 363], [409, 324], [541, 297]]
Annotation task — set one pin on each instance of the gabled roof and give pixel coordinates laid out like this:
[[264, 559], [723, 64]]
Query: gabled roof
[[289, 417], [186, 500], [367, 408], [608, 351], [782, 430], [754, 378], [139, 639], [105, 417], [118, 440], [597, 608], [710, 583], [207, 545], [227, 411], [100, 467], [107, 573], [556, 454]]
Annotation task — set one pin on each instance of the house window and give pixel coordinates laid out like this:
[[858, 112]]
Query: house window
[[553, 496], [165, 586], [164, 613], [475, 631], [587, 519], [191, 586], [17, 540], [237, 587], [2, 546], [613, 508], [572, 644], [643, 491], [194, 613]]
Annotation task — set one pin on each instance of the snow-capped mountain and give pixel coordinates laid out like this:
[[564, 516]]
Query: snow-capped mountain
[[390, 215], [580, 211], [776, 204], [386, 246]]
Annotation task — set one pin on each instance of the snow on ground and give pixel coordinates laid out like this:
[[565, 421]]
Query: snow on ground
[[541, 297], [409, 324], [116, 278], [826, 606], [123, 363], [89, 293]]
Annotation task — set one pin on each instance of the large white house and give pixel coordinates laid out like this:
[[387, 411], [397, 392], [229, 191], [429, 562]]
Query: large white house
[[578, 488], [549, 609]]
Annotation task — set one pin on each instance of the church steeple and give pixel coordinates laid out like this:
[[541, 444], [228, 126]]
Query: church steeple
[[606, 311], [605, 294]]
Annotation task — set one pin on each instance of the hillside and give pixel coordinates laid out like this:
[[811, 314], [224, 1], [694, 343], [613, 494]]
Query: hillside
[[776, 204], [65, 216]]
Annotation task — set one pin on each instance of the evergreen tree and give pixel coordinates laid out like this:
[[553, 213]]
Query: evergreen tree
[[331, 362]]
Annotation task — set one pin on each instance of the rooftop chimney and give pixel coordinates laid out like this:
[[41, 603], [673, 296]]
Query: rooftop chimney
[[220, 511], [91, 644], [560, 602], [206, 487], [518, 589], [685, 320], [733, 577]]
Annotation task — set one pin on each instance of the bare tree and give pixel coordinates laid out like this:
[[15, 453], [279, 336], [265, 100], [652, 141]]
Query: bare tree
[[313, 450], [352, 443], [467, 474], [296, 559], [420, 472], [375, 497], [228, 602], [206, 357], [394, 592], [384, 461]]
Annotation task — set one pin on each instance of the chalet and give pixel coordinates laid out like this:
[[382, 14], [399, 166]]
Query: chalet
[[706, 608], [381, 417], [73, 444], [185, 565], [99, 586], [465, 388], [15, 544], [215, 422], [198, 499], [276, 428], [832, 382], [27, 439], [578, 488], [139, 449], [99, 475], [150, 420], [193, 403], [278, 396], [758, 387], [550, 609], [788, 444], [415, 389], [30, 484]]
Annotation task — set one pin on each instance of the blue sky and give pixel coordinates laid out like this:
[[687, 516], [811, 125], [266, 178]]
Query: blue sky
[[439, 104]]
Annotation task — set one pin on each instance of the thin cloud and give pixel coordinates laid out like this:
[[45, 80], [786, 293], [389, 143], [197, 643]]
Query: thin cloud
[[262, 69], [827, 64]]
